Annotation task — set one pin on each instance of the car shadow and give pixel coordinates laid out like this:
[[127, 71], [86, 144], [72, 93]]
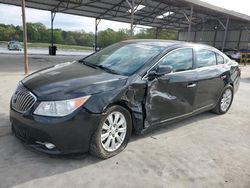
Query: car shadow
[[20, 164], [162, 129], [245, 80]]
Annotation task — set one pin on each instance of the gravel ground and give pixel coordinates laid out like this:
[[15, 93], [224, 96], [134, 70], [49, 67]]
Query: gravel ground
[[203, 151]]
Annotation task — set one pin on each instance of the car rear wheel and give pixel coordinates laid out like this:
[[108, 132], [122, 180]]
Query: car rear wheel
[[225, 101], [113, 133]]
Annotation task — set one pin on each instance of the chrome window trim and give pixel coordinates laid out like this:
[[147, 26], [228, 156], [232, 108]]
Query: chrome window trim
[[145, 76]]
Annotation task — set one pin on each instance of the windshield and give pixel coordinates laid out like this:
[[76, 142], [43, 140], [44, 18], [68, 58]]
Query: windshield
[[123, 58]]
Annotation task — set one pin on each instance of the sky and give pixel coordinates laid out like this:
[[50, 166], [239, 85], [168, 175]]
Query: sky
[[12, 15]]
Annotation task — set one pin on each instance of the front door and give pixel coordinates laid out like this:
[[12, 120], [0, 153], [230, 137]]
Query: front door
[[172, 95]]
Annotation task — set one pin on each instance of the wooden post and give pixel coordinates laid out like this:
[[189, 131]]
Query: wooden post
[[26, 66]]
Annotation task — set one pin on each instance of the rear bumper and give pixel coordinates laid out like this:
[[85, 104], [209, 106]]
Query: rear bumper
[[70, 134]]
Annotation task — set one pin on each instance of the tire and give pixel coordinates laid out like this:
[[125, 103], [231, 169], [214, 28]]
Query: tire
[[219, 109], [115, 133]]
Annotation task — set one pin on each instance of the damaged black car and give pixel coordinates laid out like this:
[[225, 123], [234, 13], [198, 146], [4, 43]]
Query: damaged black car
[[94, 104]]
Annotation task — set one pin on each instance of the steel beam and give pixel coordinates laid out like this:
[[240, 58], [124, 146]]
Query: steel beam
[[26, 64]]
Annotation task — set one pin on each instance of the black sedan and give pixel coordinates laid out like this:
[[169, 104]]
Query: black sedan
[[95, 103]]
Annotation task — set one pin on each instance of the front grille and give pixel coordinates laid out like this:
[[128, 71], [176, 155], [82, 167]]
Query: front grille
[[22, 100]]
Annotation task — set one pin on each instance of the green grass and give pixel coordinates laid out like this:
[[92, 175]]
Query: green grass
[[59, 46], [46, 45]]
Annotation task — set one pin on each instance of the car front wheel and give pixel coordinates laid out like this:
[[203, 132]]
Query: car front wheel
[[113, 133]]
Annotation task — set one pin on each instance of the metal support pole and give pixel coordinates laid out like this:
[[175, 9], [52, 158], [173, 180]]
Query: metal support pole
[[132, 18], [215, 36], [248, 47], [178, 34], [195, 33], [96, 30], [26, 65], [97, 21], [53, 14], [225, 35], [190, 22], [239, 39], [156, 32]]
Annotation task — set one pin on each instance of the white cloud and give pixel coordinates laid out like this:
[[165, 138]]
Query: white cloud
[[12, 15], [241, 6]]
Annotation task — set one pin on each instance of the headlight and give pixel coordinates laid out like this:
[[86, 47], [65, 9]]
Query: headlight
[[60, 108]]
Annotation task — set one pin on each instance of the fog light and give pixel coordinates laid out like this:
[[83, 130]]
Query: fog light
[[46, 144], [49, 145]]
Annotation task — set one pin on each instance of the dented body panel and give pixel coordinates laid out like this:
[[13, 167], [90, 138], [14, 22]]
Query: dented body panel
[[169, 96]]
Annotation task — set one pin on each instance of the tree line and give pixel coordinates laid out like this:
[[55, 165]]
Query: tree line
[[37, 32]]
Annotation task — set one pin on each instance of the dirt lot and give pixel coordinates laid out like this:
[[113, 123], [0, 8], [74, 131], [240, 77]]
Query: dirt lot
[[204, 151]]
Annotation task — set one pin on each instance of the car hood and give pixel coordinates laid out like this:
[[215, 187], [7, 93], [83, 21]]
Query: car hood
[[70, 80]]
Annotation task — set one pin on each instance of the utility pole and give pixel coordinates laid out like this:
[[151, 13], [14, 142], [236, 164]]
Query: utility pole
[[26, 66]]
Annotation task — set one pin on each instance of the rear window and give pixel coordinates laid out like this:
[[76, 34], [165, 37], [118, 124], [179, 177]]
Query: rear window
[[220, 59], [205, 58]]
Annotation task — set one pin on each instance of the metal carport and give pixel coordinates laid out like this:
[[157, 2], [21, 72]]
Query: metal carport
[[179, 15]]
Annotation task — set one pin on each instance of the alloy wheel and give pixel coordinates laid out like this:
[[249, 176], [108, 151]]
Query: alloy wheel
[[113, 131], [226, 100]]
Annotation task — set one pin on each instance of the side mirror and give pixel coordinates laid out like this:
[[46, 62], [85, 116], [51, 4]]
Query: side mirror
[[160, 71], [164, 70]]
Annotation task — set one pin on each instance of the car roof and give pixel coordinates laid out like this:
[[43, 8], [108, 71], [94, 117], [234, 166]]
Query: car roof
[[166, 43], [172, 44]]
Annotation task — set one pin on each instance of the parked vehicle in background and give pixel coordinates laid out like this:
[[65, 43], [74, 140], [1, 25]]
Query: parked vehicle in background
[[232, 54], [94, 104], [14, 45]]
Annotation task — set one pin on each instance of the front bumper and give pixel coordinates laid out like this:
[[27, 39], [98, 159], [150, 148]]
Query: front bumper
[[70, 134]]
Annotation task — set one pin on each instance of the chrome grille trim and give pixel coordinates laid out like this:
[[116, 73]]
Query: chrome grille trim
[[22, 100]]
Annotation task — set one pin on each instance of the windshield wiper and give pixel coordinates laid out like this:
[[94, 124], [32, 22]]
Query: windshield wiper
[[106, 69], [87, 63], [99, 66]]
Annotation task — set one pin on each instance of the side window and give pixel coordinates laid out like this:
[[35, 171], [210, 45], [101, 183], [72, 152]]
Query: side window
[[205, 58], [220, 59], [179, 60]]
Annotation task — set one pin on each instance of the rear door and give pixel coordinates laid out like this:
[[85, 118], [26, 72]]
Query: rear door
[[172, 95], [211, 76]]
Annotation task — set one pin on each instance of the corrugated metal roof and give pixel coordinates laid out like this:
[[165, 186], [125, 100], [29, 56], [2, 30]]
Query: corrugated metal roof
[[117, 10]]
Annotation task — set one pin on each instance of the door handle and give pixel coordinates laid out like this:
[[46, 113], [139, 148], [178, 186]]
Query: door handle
[[223, 76], [191, 85]]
